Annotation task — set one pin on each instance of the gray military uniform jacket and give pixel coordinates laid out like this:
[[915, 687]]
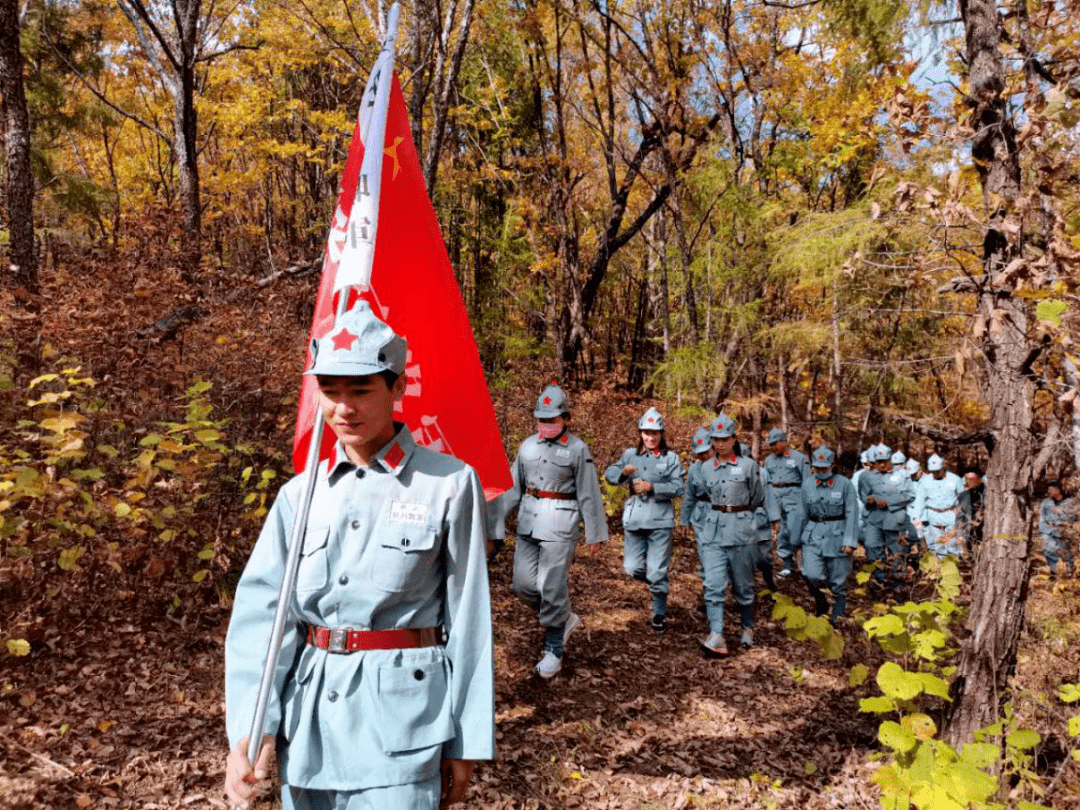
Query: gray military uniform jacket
[[397, 544], [895, 489], [1053, 515], [786, 475], [694, 507], [832, 515], [651, 510], [731, 482], [562, 465]]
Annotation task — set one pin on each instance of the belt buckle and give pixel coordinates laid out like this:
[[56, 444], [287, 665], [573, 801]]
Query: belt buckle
[[339, 640]]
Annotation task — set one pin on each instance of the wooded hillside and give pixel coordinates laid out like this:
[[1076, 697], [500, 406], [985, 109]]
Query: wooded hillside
[[855, 219]]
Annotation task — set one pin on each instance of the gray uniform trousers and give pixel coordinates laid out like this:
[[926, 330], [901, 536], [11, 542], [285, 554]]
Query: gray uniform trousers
[[417, 796]]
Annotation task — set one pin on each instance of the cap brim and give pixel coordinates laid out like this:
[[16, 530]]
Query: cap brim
[[340, 369]]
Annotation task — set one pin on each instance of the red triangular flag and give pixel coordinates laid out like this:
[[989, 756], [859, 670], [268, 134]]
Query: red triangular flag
[[413, 289]]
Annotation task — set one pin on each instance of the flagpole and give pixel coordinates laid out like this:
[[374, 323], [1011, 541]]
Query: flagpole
[[361, 241]]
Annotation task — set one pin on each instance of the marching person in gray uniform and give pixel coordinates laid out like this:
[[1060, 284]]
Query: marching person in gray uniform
[[694, 510], [830, 534], [787, 469], [910, 530], [728, 543], [937, 508], [886, 494], [771, 506], [555, 489], [655, 477], [1056, 513], [382, 697], [866, 468]]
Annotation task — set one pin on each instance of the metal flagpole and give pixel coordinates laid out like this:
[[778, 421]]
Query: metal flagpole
[[360, 246]]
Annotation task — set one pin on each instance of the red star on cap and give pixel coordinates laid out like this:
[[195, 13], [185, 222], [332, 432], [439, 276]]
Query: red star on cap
[[547, 400], [344, 340], [651, 419]]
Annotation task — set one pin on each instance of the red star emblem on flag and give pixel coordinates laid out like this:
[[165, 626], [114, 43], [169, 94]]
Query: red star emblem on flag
[[344, 340]]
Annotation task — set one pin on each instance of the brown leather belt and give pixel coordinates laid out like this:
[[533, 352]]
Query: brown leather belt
[[555, 496], [344, 640], [789, 484], [729, 508], [828, 519], [950, 509]]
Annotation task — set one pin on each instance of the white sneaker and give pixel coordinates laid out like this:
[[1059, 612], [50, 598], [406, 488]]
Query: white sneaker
[[549, 666], [714, 645], [572, 624], [747, 637], [785, 573]]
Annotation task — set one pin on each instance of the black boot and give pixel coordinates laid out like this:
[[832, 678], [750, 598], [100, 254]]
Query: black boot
[[765, 567], [821, 604]]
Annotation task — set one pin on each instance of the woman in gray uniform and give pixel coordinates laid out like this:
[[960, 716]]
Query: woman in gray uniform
[[555, 488], [655, 477], [830, 533]]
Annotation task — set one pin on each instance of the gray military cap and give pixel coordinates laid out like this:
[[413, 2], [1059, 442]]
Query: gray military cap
[[652, 419], [359, 344], [776, 435], [551, 402], [721, 427], [823, 457], [700, 443]]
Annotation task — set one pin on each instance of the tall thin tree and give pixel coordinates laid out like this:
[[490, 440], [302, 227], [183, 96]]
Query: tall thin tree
[[19, 180]]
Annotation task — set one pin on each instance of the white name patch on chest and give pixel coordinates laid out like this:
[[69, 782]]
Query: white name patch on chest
[[408, 514], [562, 452]]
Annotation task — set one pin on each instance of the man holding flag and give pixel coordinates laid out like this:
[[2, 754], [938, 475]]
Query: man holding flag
[[385, 678], [376, 686]]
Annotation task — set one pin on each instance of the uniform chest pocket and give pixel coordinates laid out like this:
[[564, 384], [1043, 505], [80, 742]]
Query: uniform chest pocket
[[405, 557], [314, 570]]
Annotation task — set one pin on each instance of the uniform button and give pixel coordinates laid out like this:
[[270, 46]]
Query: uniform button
[[343, 580], [355, 524], [331, 695], [419, 674], [359, 473]]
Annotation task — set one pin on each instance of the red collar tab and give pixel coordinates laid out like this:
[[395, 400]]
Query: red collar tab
[[393, 456], [565, 439], [823, 483]]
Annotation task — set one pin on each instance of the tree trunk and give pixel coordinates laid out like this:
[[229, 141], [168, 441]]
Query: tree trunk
[[19, 187], [999, 584], [186, 132]]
